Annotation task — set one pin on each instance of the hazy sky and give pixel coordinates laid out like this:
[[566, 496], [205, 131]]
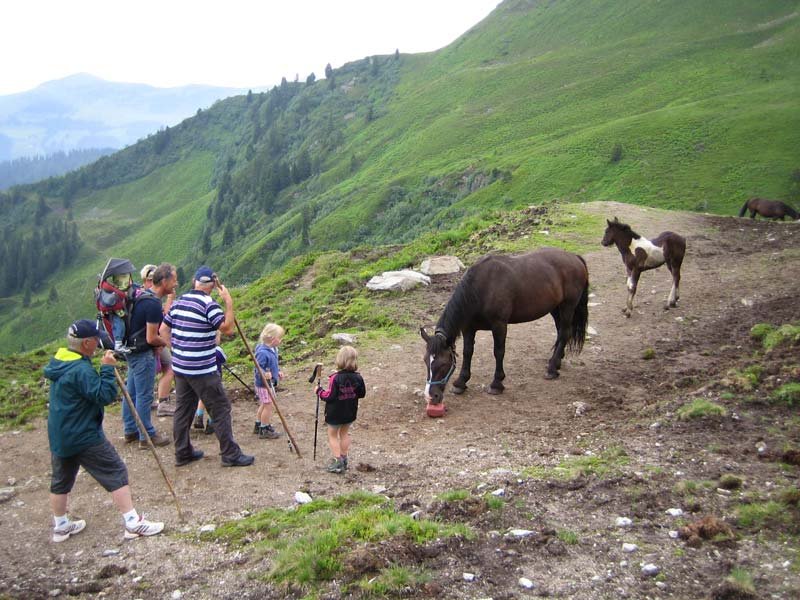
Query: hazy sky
[[233, 43]]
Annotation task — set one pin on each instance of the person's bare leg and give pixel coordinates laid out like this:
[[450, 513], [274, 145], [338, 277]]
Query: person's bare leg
[[58, 504], [165, 384], [333, 442], [344, 440], [122, 499]]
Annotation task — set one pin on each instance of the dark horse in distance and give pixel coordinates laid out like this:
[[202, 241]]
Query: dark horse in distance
[[769, 209], [499, 290], [640, 254]]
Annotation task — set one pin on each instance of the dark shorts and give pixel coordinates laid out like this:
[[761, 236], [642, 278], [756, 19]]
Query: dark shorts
[[101, 462]]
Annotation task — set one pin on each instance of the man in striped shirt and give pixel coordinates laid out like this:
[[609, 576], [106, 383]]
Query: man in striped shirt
[[191, 325]]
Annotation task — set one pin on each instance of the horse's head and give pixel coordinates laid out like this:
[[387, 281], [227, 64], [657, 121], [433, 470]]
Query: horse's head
[[440, 361], [614, 230]]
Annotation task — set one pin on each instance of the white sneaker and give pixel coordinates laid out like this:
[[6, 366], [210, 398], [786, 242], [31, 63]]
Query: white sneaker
[[71, 528], [142, 527]]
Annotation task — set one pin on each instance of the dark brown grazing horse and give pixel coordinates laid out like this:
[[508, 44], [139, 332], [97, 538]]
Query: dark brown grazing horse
[[640, 254], [499, 290], [769, 209]]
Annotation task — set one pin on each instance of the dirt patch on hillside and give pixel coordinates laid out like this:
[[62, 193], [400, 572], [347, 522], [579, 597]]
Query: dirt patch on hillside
[[609, 402]]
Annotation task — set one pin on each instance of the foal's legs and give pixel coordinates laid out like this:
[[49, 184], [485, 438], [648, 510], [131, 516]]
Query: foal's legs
[[499, 331], [674, 294], [460, 384], [633, 281]]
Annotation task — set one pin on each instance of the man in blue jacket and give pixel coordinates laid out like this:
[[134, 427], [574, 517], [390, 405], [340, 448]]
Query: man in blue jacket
[[78, 395]]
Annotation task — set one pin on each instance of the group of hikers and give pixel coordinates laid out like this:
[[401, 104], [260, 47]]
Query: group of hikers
[[178, 337]]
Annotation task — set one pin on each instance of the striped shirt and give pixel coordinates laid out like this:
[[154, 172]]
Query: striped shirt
[[194, 319]]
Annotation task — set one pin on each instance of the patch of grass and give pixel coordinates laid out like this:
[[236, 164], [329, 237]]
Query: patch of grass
[[607, 463], [567, 536], [790, 496], [759, 514], [393, 581], [648, 354], [23, 387], [761, 330], [493, 502], [746, 379], [699, 408], [307, 544], [788, 393], [453, 495], [730, 482], [785, 334], [741, 581]]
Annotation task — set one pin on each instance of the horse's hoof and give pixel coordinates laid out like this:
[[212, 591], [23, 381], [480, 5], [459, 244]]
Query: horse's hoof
[[551, 375], [493, 391], [459, 390]]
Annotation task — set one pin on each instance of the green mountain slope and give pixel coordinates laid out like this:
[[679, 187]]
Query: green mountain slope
[[677, 104]]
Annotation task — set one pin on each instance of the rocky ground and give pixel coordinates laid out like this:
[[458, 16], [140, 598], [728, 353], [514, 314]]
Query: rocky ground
[[616, 403]]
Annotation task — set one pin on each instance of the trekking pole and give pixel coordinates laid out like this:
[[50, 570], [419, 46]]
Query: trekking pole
[[318, 374], [268, 380], [136, 416], [239, 379]]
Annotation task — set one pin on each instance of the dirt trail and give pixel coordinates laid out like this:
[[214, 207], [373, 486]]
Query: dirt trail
[[736, 273]]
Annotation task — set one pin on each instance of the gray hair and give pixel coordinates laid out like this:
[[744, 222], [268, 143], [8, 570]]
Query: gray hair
[[74, 343]]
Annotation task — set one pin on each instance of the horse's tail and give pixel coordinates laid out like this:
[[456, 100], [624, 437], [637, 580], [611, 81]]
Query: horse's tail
[[744, 208], [580, 320]]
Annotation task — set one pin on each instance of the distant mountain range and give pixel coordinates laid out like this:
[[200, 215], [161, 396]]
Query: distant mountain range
[[82, 111]]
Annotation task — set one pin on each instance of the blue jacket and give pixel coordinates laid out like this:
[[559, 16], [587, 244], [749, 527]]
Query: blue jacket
[[267, 358], [78, 395]]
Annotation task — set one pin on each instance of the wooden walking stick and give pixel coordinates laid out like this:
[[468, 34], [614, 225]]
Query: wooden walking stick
[[136, 416], [268, 381], [318, 374]]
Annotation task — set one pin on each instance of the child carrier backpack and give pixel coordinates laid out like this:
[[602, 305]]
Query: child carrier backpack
[[114, 296]]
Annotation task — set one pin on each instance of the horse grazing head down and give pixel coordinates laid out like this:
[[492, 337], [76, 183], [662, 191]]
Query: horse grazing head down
[[440, 360], [618, 231]]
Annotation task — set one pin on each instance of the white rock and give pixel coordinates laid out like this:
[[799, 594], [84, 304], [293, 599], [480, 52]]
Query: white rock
[[674, 512], [302, 498], [6, 494], [208, 528], [378, 489], [468, 576], [110, 552], [673, 534], [137, 579], [650, 570], [624, 522], [521, 532], [629, 547], [11, 481], [526, 583], [580, 408], [398, 280], [176, 595], [441, 265], [54, 592], [344, 339], [499, 492], [416, 515]]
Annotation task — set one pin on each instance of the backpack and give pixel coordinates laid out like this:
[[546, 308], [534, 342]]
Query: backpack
[[114, 297], [136, 341]]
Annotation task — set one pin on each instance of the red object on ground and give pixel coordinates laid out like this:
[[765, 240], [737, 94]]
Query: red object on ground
[[435, 410]]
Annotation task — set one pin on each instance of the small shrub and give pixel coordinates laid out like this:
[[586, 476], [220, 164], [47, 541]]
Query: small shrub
[[747, 379], [742, 581], [760, 330], [568, 537], [785, 334], [788, 393], [730, 482], [454, 495], [758, 514], [648, 354], [700, 408], [790, 496]]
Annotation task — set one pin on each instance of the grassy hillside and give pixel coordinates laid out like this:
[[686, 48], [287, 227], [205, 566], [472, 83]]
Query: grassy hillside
[[678, 105]]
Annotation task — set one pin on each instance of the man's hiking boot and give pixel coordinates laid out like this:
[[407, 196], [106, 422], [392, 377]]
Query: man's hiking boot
[[195, 455], [209, 428], [157, 439], [131, 437], [243, 460], [344, 462], [142, 527], [71, 528], [268, 433], [198, 422], [336, 466], [165, 408], [257, 427]]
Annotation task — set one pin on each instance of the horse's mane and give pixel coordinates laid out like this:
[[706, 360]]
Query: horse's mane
[[623, 227], [463, 301]]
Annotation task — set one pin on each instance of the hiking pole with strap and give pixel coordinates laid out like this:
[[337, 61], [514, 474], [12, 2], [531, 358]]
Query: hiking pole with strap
[[239, 379], [268, 380], [318, 374], [139, 423]]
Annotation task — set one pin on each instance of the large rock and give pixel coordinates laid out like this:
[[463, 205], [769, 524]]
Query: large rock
[[398, 280], [441, 265]]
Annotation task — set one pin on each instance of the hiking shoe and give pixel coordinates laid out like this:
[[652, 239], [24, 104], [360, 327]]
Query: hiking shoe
[[142, 527], [157, 439], [336, 466], [196, 455], [71, 528], [209, 428], [268, 433], [165, 409], [243, 460], [344, 462], [257, 427], [131, 437], [198, 422]]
